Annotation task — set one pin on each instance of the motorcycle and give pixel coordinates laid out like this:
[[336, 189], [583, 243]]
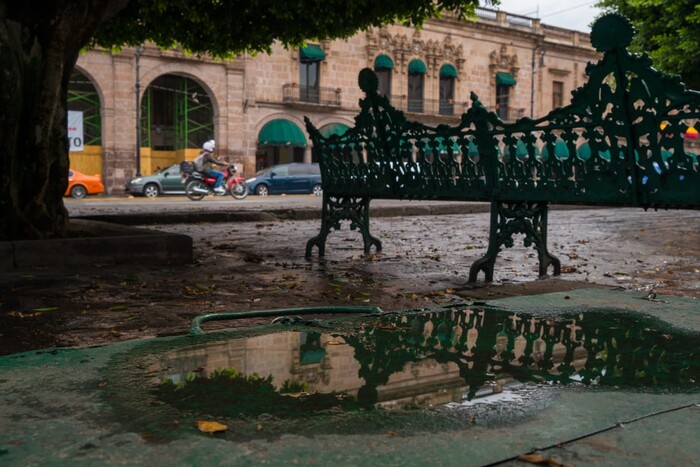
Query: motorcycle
[[197, 186]]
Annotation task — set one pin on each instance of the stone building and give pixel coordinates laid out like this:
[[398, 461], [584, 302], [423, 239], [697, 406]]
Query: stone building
[[145, 108]]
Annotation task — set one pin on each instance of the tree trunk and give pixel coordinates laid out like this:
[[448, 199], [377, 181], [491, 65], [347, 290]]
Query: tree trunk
[[39, 45]]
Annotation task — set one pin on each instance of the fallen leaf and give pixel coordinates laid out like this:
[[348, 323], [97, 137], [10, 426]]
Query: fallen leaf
[[49, 308], [118, 308], [538, 459], [206, 426]]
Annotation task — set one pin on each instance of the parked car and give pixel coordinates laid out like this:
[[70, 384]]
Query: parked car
[[165, 182], [81, 185], [287, 178]]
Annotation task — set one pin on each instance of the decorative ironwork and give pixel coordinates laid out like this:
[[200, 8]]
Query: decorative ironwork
[[336, 209], [619, 142], [605, 348], [508, 219]]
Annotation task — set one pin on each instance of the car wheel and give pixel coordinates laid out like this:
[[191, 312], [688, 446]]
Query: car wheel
[[317, 190], [262, 190], [78, 192], [151, 190]]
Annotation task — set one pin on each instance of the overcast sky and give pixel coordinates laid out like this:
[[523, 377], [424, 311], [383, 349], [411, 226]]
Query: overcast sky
[[570, 14]]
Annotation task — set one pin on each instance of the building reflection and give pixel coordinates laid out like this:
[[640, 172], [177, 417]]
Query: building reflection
[[450, 356]]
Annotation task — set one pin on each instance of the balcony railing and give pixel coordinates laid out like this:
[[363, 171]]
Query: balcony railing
[[294, 93], [429, 106]]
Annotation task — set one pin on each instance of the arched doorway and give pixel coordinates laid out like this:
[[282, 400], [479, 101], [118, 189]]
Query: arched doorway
[[279, 142], [84, 105], [177, 117]]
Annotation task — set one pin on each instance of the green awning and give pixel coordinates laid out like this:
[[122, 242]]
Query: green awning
[[383, 61], [281, 132], [334, 129], [448, 71], [417, 67], [506, 79], [312, 52]]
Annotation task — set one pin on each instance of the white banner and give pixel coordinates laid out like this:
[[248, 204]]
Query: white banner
[[75, 130]]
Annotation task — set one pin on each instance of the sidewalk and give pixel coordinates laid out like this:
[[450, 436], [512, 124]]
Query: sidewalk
[[101, 235]]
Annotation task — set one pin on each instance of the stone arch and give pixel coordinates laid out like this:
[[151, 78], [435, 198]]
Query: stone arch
[[89, 159], [269, 155], [172, 92]]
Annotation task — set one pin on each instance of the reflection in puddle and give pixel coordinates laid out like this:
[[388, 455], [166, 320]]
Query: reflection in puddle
[[409, 361]]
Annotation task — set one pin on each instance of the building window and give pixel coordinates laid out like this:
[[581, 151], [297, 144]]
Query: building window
[[557, 94], [502, 101], [447, 89], [309, 72], [308, 81], [416, 81], [382, 68], [384, 78]]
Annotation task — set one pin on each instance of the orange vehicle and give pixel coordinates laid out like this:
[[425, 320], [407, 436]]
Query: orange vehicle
[[81, 185]]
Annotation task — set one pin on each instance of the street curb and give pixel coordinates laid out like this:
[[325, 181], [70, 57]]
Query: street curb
[[281, 214], [98, 243]]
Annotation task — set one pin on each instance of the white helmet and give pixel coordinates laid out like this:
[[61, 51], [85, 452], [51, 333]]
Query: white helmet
[[209, 146]]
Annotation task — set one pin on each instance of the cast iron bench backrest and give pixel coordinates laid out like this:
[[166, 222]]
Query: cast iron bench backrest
[[621, 142]]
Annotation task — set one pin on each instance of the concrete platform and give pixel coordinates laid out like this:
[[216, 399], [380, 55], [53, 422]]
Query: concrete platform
[[95, 242], [90, 406]]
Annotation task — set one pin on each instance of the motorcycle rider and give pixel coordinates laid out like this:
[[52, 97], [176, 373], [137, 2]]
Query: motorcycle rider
[[203, 164]]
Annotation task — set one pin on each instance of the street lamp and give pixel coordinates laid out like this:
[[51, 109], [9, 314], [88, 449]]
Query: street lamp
[[139, 50]]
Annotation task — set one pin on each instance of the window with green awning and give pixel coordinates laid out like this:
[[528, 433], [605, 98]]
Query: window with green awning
[[417, 67], [505, 79], [312, 53], [383, 61], [281, 132], [448, 71]]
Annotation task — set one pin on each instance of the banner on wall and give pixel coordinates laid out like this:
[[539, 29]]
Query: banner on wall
[[75, 130]]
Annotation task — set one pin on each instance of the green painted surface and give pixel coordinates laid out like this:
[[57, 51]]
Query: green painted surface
[[103, 405]]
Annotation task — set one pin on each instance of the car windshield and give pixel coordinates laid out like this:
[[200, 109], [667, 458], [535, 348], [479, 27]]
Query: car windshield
[[262, 171]]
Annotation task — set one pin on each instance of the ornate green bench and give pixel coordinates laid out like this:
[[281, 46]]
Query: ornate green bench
[[620, 142]]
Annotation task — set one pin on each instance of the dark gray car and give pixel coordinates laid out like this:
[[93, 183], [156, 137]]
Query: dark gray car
[[166, 182]]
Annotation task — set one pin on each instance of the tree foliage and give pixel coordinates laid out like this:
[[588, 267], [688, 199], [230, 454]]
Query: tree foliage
[[224, 28], [669, 30]]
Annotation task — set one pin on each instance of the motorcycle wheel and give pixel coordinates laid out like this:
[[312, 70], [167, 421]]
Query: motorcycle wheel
[[196, 190], [239, 190]]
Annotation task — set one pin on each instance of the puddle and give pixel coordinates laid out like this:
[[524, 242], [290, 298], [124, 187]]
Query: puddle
[[423, 370]]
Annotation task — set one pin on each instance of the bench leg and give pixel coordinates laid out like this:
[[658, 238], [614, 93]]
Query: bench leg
[[337, 209], [507, 219], [487, 262], [540, 241]]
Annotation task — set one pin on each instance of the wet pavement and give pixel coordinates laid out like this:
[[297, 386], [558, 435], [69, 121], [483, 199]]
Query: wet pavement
[[101, 405], [572, 380]]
